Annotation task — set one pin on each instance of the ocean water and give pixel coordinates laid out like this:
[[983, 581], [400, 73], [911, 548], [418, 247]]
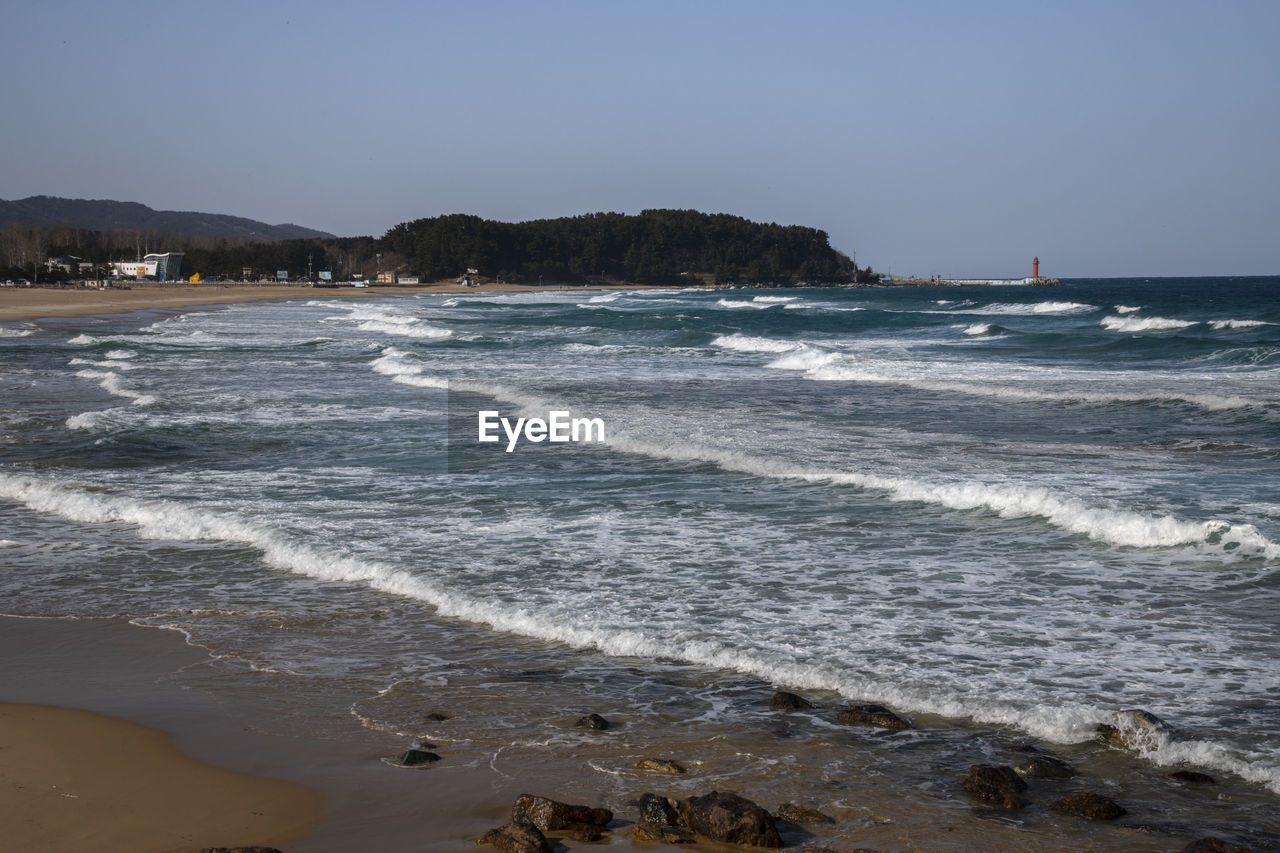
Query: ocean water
[[1007, 513]]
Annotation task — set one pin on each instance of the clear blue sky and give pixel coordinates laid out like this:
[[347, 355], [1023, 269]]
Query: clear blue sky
[[958, 138]]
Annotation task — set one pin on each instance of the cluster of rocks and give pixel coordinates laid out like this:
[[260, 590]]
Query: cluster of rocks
[[729, 818], [718, 816]]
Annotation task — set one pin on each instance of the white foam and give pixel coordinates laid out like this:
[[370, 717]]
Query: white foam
[[120, 354], [167, 520], [109, 381], [11, 332], [747, 343], [740, 303], [604, 297], [1238, 324], [399, 365], [1128, 309], [405, 330], [106, 365], [980, 329], [1032, 308], [775, 299], [1144, 324], [83, 340]]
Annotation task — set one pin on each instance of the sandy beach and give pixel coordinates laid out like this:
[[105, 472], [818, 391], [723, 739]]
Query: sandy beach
[[21, 304]]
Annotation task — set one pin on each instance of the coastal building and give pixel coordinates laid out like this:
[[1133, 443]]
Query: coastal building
[[158, 266], [71, 264]]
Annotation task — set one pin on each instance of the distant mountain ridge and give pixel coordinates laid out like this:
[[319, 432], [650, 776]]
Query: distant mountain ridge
[[107, 215]]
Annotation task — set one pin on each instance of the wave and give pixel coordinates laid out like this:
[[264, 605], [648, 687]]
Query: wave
[[373, 319], [109, 381], [1030, 308], [168, 520], [108, 365], [981, 329], [1112, 526], [1128, 309], [741, 303], [747, 343], [11, 332], [83, 340], [1238, 324], [404, 330], [399, 366], [834, 367], [771, 300], [1144, 324]]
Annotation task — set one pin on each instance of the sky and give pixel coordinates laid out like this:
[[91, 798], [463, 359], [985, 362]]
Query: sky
[[926, 138]]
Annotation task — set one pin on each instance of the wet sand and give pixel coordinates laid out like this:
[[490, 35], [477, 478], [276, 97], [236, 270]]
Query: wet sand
[[19, 304], [254, 723]]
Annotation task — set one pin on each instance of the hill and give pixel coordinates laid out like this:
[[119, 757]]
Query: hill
[[105, 215]]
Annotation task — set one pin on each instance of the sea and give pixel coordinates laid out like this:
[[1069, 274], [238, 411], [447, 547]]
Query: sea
[[1004, 513]]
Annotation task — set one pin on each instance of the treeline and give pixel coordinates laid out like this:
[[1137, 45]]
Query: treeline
[[656, 246]]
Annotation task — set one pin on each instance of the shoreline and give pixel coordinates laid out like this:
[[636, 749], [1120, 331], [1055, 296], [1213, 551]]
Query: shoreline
[[36, 303], [246, 722]]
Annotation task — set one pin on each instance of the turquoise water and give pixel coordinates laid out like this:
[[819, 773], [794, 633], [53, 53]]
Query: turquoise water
[[1011, 508]]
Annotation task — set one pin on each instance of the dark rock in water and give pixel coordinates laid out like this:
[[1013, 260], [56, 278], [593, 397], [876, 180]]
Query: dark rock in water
[[996, 784], [582, 832], [872, 715], [1090, 805], [1213, 845], [517, 838], [659, 765], [802, 815], [1194, 777], [417, 758], [784, 701], [722, 816], [239, 850], [434, 717], [657, 810], [592, 721], [1136, 730], [548, 815], [663, 834], [1045, 767]]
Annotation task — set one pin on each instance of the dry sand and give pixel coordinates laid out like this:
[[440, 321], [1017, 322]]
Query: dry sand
[[73, 780], [17, 304]]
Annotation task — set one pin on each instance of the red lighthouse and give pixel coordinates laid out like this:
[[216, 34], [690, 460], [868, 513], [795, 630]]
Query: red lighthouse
[[1035, 268]]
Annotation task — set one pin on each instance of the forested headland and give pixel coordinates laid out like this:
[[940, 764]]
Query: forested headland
[[653, 247]]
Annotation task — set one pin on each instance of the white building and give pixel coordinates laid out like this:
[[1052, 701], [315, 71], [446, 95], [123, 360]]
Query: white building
[[160, 267]]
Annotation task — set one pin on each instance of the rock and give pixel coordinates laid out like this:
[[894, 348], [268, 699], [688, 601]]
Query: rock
[[664, 834], [434, 717], [1090, 805], [1213, 845], [657, 810], [517, 838], [592, 721], [659, 765], [1045, 767], [722, 816], [416, 758], [784, 701], [802, 815], [1137, 730], [549, 815], [872, 715], [996, 784], [1194, 777]]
